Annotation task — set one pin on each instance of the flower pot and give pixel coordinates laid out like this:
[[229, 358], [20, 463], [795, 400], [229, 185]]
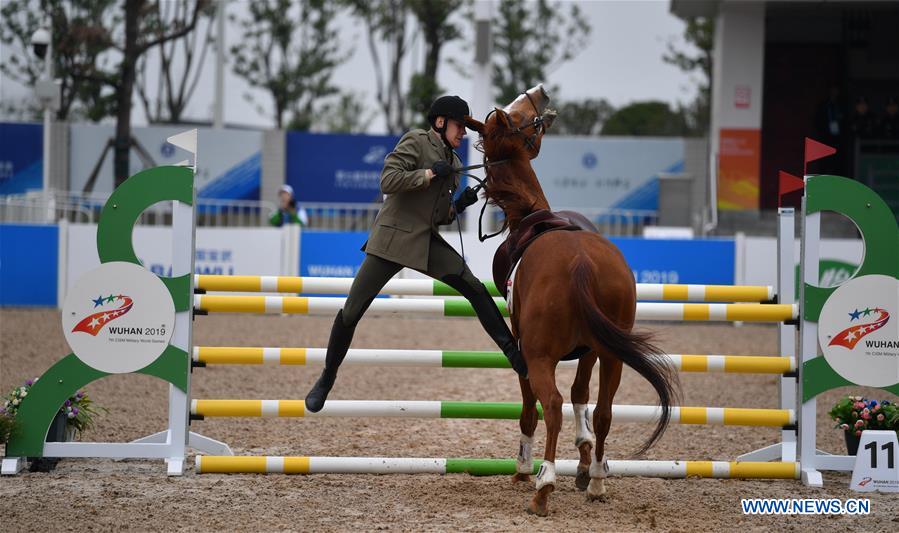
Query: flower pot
[[851, 442]]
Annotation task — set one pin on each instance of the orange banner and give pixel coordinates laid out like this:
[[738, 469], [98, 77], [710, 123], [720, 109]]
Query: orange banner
[[739, 156]]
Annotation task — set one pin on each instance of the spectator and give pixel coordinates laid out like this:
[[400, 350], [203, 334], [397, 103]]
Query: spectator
[[287, 209], [829, 118]]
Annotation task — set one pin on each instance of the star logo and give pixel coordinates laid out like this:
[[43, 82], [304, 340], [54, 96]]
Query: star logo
[[93, 323], [850, 336]]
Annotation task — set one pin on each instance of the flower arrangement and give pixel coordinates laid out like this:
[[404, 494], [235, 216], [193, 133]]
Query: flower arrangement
[[854, 414], [79, 409], [7, 427]]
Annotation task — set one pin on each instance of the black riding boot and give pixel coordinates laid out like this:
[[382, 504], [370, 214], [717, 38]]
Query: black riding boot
[[338, 344], [493, 323]]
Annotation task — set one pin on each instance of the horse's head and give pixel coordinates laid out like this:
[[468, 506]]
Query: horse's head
[[518, 127]]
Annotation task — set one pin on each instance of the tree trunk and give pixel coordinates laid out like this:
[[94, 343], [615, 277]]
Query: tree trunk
[[127, 73]]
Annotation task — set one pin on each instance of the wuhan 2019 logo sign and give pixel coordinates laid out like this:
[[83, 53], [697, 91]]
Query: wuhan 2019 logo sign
[[118, 318], [858, 336]]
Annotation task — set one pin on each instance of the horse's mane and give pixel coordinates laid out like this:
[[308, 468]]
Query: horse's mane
[[512, 186]]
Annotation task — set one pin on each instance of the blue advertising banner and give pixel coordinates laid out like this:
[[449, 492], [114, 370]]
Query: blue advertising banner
[[702, 261], [21, 157], [331, 253], [324, 167], [29, 260]]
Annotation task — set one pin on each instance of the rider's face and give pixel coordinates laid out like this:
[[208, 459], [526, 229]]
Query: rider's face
[[455, 132]]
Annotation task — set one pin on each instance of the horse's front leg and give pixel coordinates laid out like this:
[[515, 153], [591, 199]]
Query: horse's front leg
[[528, 423]]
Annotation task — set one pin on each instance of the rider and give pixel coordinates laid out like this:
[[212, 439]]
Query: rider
[[418, 180]]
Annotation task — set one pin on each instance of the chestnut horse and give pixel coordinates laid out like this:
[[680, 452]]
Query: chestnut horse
[[573, 294]]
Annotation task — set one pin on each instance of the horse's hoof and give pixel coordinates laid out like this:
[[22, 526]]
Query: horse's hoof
[[518, 477], [596, 491], [582, 479], [602, 498], [536, 510], [538, 503]]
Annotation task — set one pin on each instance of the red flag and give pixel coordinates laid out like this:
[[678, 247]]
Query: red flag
[[815, 150], [788, 184]]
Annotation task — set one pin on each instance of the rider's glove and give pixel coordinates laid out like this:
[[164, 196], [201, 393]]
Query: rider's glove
[[468, 197], [441, 169]]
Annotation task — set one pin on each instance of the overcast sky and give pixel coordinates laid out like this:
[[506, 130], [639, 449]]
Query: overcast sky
[[623, 63]]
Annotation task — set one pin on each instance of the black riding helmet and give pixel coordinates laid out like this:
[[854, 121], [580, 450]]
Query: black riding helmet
[[451, 107]]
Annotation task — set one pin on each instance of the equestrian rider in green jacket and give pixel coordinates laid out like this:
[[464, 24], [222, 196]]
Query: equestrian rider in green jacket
[[419, 182]]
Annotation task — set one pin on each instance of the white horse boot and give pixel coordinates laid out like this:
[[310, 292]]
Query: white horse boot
[[583, 437], [599, 471], [524, 463]]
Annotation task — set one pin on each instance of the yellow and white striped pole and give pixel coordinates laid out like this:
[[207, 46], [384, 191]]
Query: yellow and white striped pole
[[245, 355], [423, 287], [714, 416], [486, 467], [327, 306]]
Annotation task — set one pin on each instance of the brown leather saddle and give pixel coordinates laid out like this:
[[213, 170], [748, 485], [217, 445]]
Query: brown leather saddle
[[531, 228]]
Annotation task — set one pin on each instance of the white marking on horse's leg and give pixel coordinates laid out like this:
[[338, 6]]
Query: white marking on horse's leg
[[525, 463], [599, 471], [546, 475], [584, 433]]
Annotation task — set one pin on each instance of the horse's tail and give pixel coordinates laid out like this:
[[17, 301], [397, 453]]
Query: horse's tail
[[633, 349]]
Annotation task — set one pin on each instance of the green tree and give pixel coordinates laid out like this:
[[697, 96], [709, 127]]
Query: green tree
[[434, 23], [700, 32], [180, 66], [581, 117], [143, 31], [386, 25], [645, 119], [346, 114], [291, 55], [531, 40], [82, 37]]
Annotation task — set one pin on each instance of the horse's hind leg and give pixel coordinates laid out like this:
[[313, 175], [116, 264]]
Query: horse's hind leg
[[527, 423], [584, 439], [609, 379], [543, 383]]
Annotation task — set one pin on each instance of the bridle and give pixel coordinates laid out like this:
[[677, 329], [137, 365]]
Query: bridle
[[539, 127], [538, 124]]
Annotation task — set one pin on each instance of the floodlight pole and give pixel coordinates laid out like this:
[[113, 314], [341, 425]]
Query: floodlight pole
[[48, 121], [218, 105]]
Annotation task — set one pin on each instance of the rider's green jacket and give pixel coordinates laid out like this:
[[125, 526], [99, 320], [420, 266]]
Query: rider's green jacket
[[414, 207]]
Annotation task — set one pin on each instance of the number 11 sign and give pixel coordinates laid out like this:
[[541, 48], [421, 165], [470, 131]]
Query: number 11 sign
[[876, 465]]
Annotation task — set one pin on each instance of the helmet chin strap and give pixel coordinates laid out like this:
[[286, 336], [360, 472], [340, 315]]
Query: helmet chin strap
[[442, 131]]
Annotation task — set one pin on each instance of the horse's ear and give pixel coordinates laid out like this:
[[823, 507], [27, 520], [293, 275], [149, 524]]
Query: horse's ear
[[474, 124], [503, 118]]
